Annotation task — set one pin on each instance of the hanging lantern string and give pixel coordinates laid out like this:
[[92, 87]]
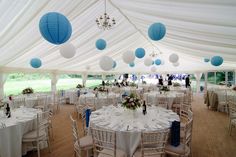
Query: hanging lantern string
[[134, 26]]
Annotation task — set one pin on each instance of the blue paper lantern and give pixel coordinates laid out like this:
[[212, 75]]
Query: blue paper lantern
[[131, 64], [158, 62], [35, 62], [55, 28], [114, 64], [139, 52], [156, 31], [206, 60], [216, 60], [101, 44]]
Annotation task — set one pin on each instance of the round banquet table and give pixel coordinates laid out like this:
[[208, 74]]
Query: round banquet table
[[129, 90], [128, 124], [103, 99], [179, 89], [170, 95], [12, 130]]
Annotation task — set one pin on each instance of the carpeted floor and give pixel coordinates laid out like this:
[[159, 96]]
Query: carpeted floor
[[210, 133]]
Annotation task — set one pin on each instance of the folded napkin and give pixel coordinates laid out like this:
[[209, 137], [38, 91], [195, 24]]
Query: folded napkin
[[87, 116]]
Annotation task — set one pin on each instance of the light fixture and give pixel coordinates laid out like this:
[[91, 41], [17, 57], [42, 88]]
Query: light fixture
[[104, 21], [154, 53]]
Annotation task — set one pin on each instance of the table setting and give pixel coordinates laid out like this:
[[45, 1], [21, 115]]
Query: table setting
[[12, 129], [129, 119]]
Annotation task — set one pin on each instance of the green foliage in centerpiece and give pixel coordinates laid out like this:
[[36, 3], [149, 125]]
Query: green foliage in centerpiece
[[79, 86], [131, 102], [102, 89], [28, 91]]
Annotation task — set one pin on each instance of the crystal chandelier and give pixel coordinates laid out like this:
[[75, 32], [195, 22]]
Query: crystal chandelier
[[104, 21], [154, 54]]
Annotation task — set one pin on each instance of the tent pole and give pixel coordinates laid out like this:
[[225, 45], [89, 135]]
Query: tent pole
[[3, 78], [226, 78], [215, 77], [205, 85], [198, 76], [84, 79], [54, 79]]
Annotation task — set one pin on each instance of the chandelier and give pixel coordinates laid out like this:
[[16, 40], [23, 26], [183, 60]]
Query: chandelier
[[154, 54], [104, 21]]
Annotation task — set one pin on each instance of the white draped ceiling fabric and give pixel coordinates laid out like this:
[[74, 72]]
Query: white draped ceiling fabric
[[195, 29]]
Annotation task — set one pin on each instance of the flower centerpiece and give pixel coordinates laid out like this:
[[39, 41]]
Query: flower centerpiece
[[131, 102], [28, 91], [79, 86], [102, 89]]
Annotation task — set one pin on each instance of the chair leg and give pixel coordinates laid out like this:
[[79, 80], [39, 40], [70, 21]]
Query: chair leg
[[49, 146], [87, 153], [38, 149], [51, 128]]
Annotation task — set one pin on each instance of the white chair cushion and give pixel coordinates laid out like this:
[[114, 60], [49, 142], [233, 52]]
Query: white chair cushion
[[178, 150], [139, 154], [119, 153], [33, 135], [86, 142], [233, 121]]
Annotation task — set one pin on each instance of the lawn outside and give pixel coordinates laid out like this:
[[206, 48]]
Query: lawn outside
[[16, 87]]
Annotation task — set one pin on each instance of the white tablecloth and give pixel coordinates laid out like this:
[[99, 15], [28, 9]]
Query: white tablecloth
[[29, 100], [101, 100], [179, 89], [129, 90], [128, 124], [153, 96], [22, 121], [72, 94]]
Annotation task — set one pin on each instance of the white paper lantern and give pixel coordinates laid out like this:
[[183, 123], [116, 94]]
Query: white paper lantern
[[148, 61], [106, 63], [176, 64], [67, 50], [153, 69], [128, 57], [162, 62], [173, 58]]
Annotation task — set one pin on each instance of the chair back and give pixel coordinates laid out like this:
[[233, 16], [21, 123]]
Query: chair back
[[75, 135], [188, 132], [151, 99], [162, 101], [42, 122], [104, 139], [42, 101], [19, 101], [232, 109], [153, 143]]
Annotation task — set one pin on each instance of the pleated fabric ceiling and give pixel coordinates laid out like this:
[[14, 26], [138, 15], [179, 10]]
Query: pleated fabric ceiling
[[195, 30]]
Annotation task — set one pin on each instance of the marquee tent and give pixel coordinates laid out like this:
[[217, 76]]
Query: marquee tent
[[195, 30]]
